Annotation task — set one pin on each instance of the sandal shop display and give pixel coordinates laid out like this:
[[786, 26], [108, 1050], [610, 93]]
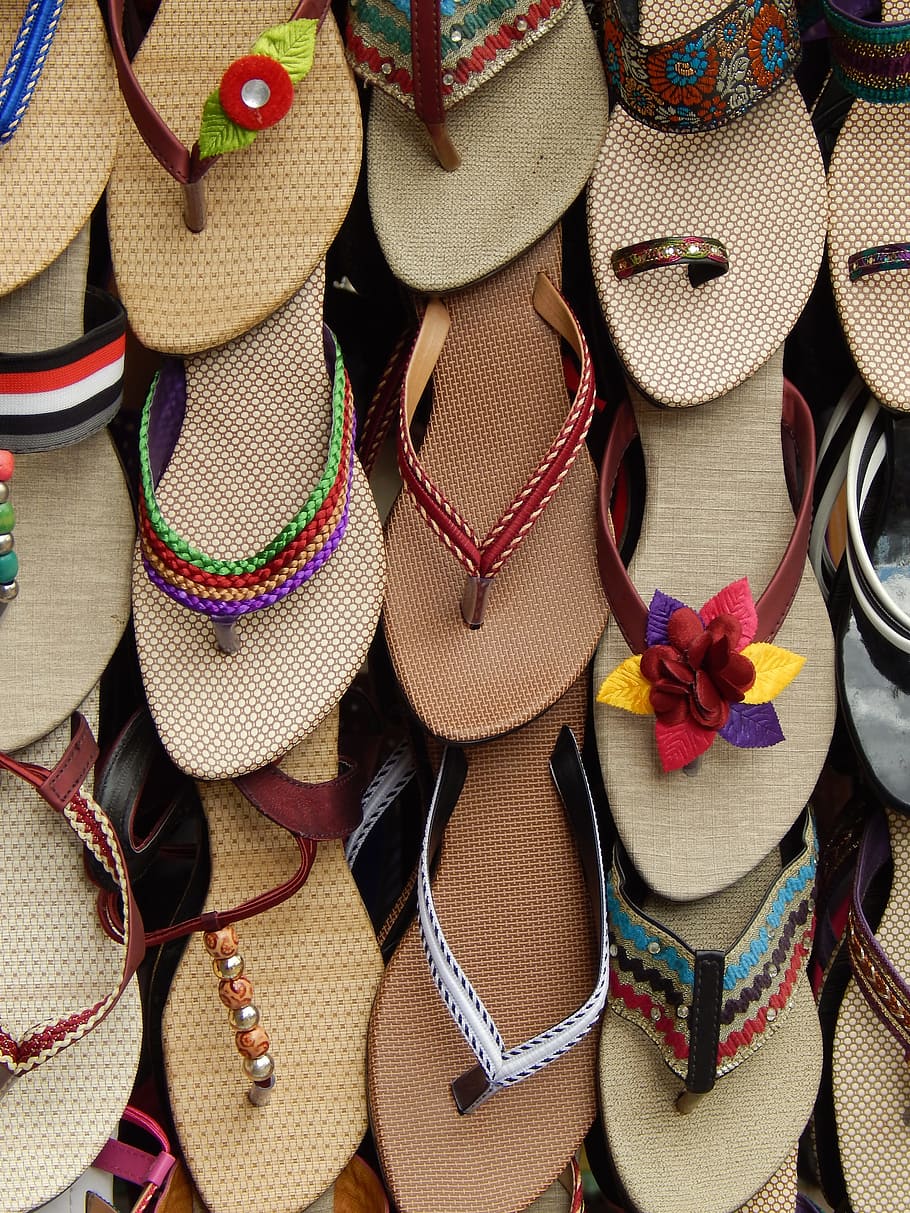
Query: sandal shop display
[[455, 606]]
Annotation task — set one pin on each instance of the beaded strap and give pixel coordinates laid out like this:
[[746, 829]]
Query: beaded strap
[[705, 258], [9, 561], [227, 589], [236, 993], [655, 975], [871, 59], [26, 62], [877, 260], [709, 76]]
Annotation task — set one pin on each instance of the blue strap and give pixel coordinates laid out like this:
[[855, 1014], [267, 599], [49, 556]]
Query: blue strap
[[29, 53]]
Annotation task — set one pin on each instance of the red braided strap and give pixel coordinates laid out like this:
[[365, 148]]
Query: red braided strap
[[483, 558], [381, 409]]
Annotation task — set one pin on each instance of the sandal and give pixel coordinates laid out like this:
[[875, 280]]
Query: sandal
[[717, 226], [487, 562], [746, 564], [208, 255]]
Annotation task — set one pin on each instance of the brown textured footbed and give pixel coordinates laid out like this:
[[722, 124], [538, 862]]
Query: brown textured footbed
[[528, 138], [55, 167], [254, 442], [717, 1156], [871, 1079], [56, 960], [511, 899], [693, 835], [74, 533], [779, 1193], [869, 205], [273, 207], [315, 966], [499, 400], [756, 184]]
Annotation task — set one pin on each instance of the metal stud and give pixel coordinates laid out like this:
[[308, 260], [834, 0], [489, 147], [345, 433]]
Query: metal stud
[[259, 1068]]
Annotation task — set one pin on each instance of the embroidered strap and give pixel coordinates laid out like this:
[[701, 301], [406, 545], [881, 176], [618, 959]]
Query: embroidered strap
[[483, 558], [384, 789], [708, 1010], [883, 987], [26, 62], [61, 789], [871, 59], [499, 1067], [709, 76], [57, 397], [879, 259], [705, 258], [226, 589]]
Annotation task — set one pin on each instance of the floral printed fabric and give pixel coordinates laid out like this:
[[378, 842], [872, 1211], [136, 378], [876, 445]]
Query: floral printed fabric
[[711, 75]]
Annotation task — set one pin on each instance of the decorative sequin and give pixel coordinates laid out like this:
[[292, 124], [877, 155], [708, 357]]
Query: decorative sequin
[[878, 259]]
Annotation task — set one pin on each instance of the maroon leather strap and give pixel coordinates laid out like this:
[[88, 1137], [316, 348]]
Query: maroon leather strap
[[426, 75], [59, 786], [182, 164], [626, 605]]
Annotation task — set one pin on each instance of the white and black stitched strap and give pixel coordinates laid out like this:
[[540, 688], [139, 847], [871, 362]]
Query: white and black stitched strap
[[26, 62], [499, 1067], [384, 789]]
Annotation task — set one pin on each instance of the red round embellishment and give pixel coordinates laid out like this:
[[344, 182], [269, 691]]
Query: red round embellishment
[[7, 463], [259, 68]]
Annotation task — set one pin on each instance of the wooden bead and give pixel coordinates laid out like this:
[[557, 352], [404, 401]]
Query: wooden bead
[[220, 944], [253, 1043], [236, 993]]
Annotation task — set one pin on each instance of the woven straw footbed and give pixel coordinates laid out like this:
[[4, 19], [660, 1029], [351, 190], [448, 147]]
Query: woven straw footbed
[[870, 1077], [738, 1135], [55, 1119], [499, 400], [273, 208], [528, 138], [315, 966], [868, 205], [511, 899], [253, 444], [692, 835], [74, 534], [756, 184], [56, 166]]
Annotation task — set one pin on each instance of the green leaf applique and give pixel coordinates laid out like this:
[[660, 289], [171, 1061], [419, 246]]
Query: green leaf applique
[[293, 45], [217, 133]]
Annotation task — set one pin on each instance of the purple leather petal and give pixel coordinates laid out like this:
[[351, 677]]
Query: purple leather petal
[[752, 726], [661, 608]]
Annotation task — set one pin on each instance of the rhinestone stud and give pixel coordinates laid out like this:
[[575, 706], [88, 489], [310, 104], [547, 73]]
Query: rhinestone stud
[[521, 25], [772, 1015], [386, 69], [653, 947], [682, 1012], [655, 1013], [456, 34], [448, 79], [614, 950]]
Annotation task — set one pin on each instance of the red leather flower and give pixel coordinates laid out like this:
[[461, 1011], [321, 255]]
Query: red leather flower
[[699, 673], [256, 91]]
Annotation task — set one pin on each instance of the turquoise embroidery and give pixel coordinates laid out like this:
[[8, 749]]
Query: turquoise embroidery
[[634, 934]]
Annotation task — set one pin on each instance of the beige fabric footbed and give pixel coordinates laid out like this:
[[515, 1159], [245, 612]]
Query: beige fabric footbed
[[871, 1079], [315, 966], [756, 184], [692, 835], [511, 899], [528, 138], [717, 1156], [73, 533], [254, 442], [55, 167], [273, 207], [499, 400], [868, 205], [56, 960]]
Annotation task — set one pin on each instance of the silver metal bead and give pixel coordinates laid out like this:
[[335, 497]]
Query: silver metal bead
[[653, 947], [244, 1018], [682, 1011], [772, 1015], [9, 591], [258, 1069], [4, 492], [7, 543], [228, 967], [521, 25]]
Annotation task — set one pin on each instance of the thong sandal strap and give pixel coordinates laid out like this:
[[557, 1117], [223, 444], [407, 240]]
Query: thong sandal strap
[[499, 1067], [60, 788], [483, 557], [26, 62], [871, 59], [703, 257]]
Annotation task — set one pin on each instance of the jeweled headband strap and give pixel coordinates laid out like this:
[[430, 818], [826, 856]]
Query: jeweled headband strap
[[870, 58], [709, 76]]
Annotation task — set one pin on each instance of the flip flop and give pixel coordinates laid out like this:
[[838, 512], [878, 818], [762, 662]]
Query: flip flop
[[706, 209], [480, 139], [261, 219], [65, 572], [60, 111], [491, 543], [498, 1117], [868, 227], [710, 1050], [258, 578], [744, 560], [63, 1024]]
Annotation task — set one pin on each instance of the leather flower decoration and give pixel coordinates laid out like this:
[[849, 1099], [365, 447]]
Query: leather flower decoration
[[257, 89], [702, 676]]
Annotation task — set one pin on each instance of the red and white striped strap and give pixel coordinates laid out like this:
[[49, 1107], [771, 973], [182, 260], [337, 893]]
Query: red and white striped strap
[[61, 789]]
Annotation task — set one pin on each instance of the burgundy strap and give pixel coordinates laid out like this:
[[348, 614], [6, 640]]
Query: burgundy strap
[[184, 166], [629, 611], [381, 409], [426, 75]]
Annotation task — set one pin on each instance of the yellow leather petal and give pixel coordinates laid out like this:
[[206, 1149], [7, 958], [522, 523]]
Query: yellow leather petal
[[627, 688], [775, 668]]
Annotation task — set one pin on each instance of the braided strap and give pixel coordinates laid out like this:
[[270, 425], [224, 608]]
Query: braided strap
[[226, 589], [60, 788], [26, 62], [483, 558]]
